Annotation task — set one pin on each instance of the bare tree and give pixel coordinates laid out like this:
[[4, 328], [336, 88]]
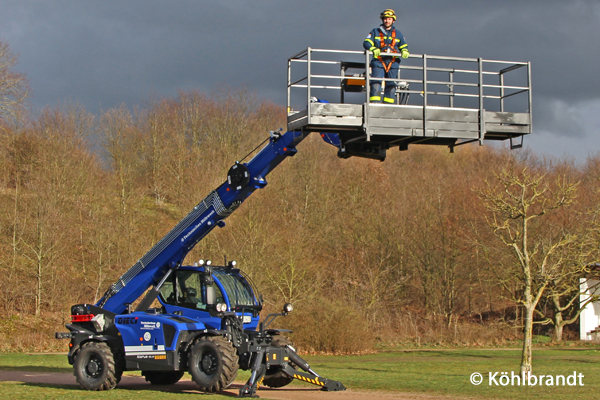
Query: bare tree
[[42, 253], [532, 254], [564, 300], [13, 86]]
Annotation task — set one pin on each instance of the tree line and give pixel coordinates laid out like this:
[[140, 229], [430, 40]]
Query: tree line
[[426, 247]]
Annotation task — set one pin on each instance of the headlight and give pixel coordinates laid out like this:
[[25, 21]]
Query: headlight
[[288, 308], [221, 307]]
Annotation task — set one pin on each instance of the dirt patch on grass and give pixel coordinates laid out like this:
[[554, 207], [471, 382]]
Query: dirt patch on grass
[[316, 394], [186, 386]]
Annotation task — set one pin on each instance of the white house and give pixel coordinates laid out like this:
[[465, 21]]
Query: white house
[[589, 319]]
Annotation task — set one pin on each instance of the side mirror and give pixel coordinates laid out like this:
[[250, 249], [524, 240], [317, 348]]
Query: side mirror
[[287, 308]]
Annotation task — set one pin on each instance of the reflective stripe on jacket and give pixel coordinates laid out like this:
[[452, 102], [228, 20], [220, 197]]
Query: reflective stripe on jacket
[[374, 39]]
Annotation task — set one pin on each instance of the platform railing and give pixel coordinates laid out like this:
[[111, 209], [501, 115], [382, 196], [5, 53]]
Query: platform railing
[[325, 71]]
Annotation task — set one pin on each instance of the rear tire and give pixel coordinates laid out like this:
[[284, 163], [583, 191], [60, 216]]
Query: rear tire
[[213, 363], [275, 377], [119, 358], [162, 377], [94, 367]]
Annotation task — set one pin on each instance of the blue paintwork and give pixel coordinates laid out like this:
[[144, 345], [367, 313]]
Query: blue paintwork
[[145, 331], [332, 138]]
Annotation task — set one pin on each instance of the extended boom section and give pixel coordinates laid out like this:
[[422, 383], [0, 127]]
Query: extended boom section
[[242, 181]]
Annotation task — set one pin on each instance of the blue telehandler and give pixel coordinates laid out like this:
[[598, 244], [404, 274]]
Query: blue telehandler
[[208, 320]]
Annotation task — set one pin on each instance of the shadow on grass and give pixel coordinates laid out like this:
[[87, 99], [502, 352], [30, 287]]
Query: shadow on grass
[[138, 387], [566, 348], [33, 368], [581, 361], [152, 392], [367, 369], [51, 386], [443, 353]]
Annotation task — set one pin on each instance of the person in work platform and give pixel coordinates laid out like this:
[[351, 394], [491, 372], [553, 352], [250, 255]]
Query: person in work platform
[[385, 39]]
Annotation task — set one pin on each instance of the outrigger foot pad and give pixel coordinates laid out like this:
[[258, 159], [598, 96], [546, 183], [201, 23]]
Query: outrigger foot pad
[[248, 391], [333, 386]]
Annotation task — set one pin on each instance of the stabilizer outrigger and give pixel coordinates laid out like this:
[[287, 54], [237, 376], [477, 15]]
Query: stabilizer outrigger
[[284, 358]]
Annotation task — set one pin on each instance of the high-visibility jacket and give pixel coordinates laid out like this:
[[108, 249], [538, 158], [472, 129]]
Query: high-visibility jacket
[[383, 39]]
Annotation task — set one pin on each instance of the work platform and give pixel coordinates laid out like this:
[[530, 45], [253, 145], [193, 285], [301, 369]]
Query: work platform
[[440, 100]]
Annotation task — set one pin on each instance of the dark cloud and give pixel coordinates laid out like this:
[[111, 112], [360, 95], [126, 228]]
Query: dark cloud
[[106, 53]]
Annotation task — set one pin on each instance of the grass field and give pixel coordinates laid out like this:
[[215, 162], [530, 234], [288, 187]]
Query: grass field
[[417, 371]]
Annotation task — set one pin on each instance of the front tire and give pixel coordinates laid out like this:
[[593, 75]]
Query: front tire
[[275, 377], [213, 363], [94, 367], [162, 377]]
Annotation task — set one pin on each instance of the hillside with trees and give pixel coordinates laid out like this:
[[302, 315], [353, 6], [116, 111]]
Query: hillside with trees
[[418, 249]]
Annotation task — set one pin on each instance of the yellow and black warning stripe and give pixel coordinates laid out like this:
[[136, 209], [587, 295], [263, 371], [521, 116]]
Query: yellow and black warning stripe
[[315, 381]]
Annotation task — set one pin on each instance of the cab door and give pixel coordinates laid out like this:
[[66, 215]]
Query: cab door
[[184, 294]]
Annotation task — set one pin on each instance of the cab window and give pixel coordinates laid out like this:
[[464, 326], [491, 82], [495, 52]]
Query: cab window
[[186, 290]]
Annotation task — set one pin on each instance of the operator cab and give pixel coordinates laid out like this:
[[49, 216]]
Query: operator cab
[[203, 291]]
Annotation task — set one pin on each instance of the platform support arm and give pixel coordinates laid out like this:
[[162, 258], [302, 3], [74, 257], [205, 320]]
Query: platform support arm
[[424, 95], [481, 109]]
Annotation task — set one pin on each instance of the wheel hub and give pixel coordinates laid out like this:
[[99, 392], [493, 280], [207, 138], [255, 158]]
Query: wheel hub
[[93, 367], [208, 363]]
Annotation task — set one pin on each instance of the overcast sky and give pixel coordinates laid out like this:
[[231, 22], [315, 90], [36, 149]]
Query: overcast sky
[[106, 53]]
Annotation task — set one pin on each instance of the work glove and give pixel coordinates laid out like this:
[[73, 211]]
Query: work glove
[[405, 53], [376, 52]]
